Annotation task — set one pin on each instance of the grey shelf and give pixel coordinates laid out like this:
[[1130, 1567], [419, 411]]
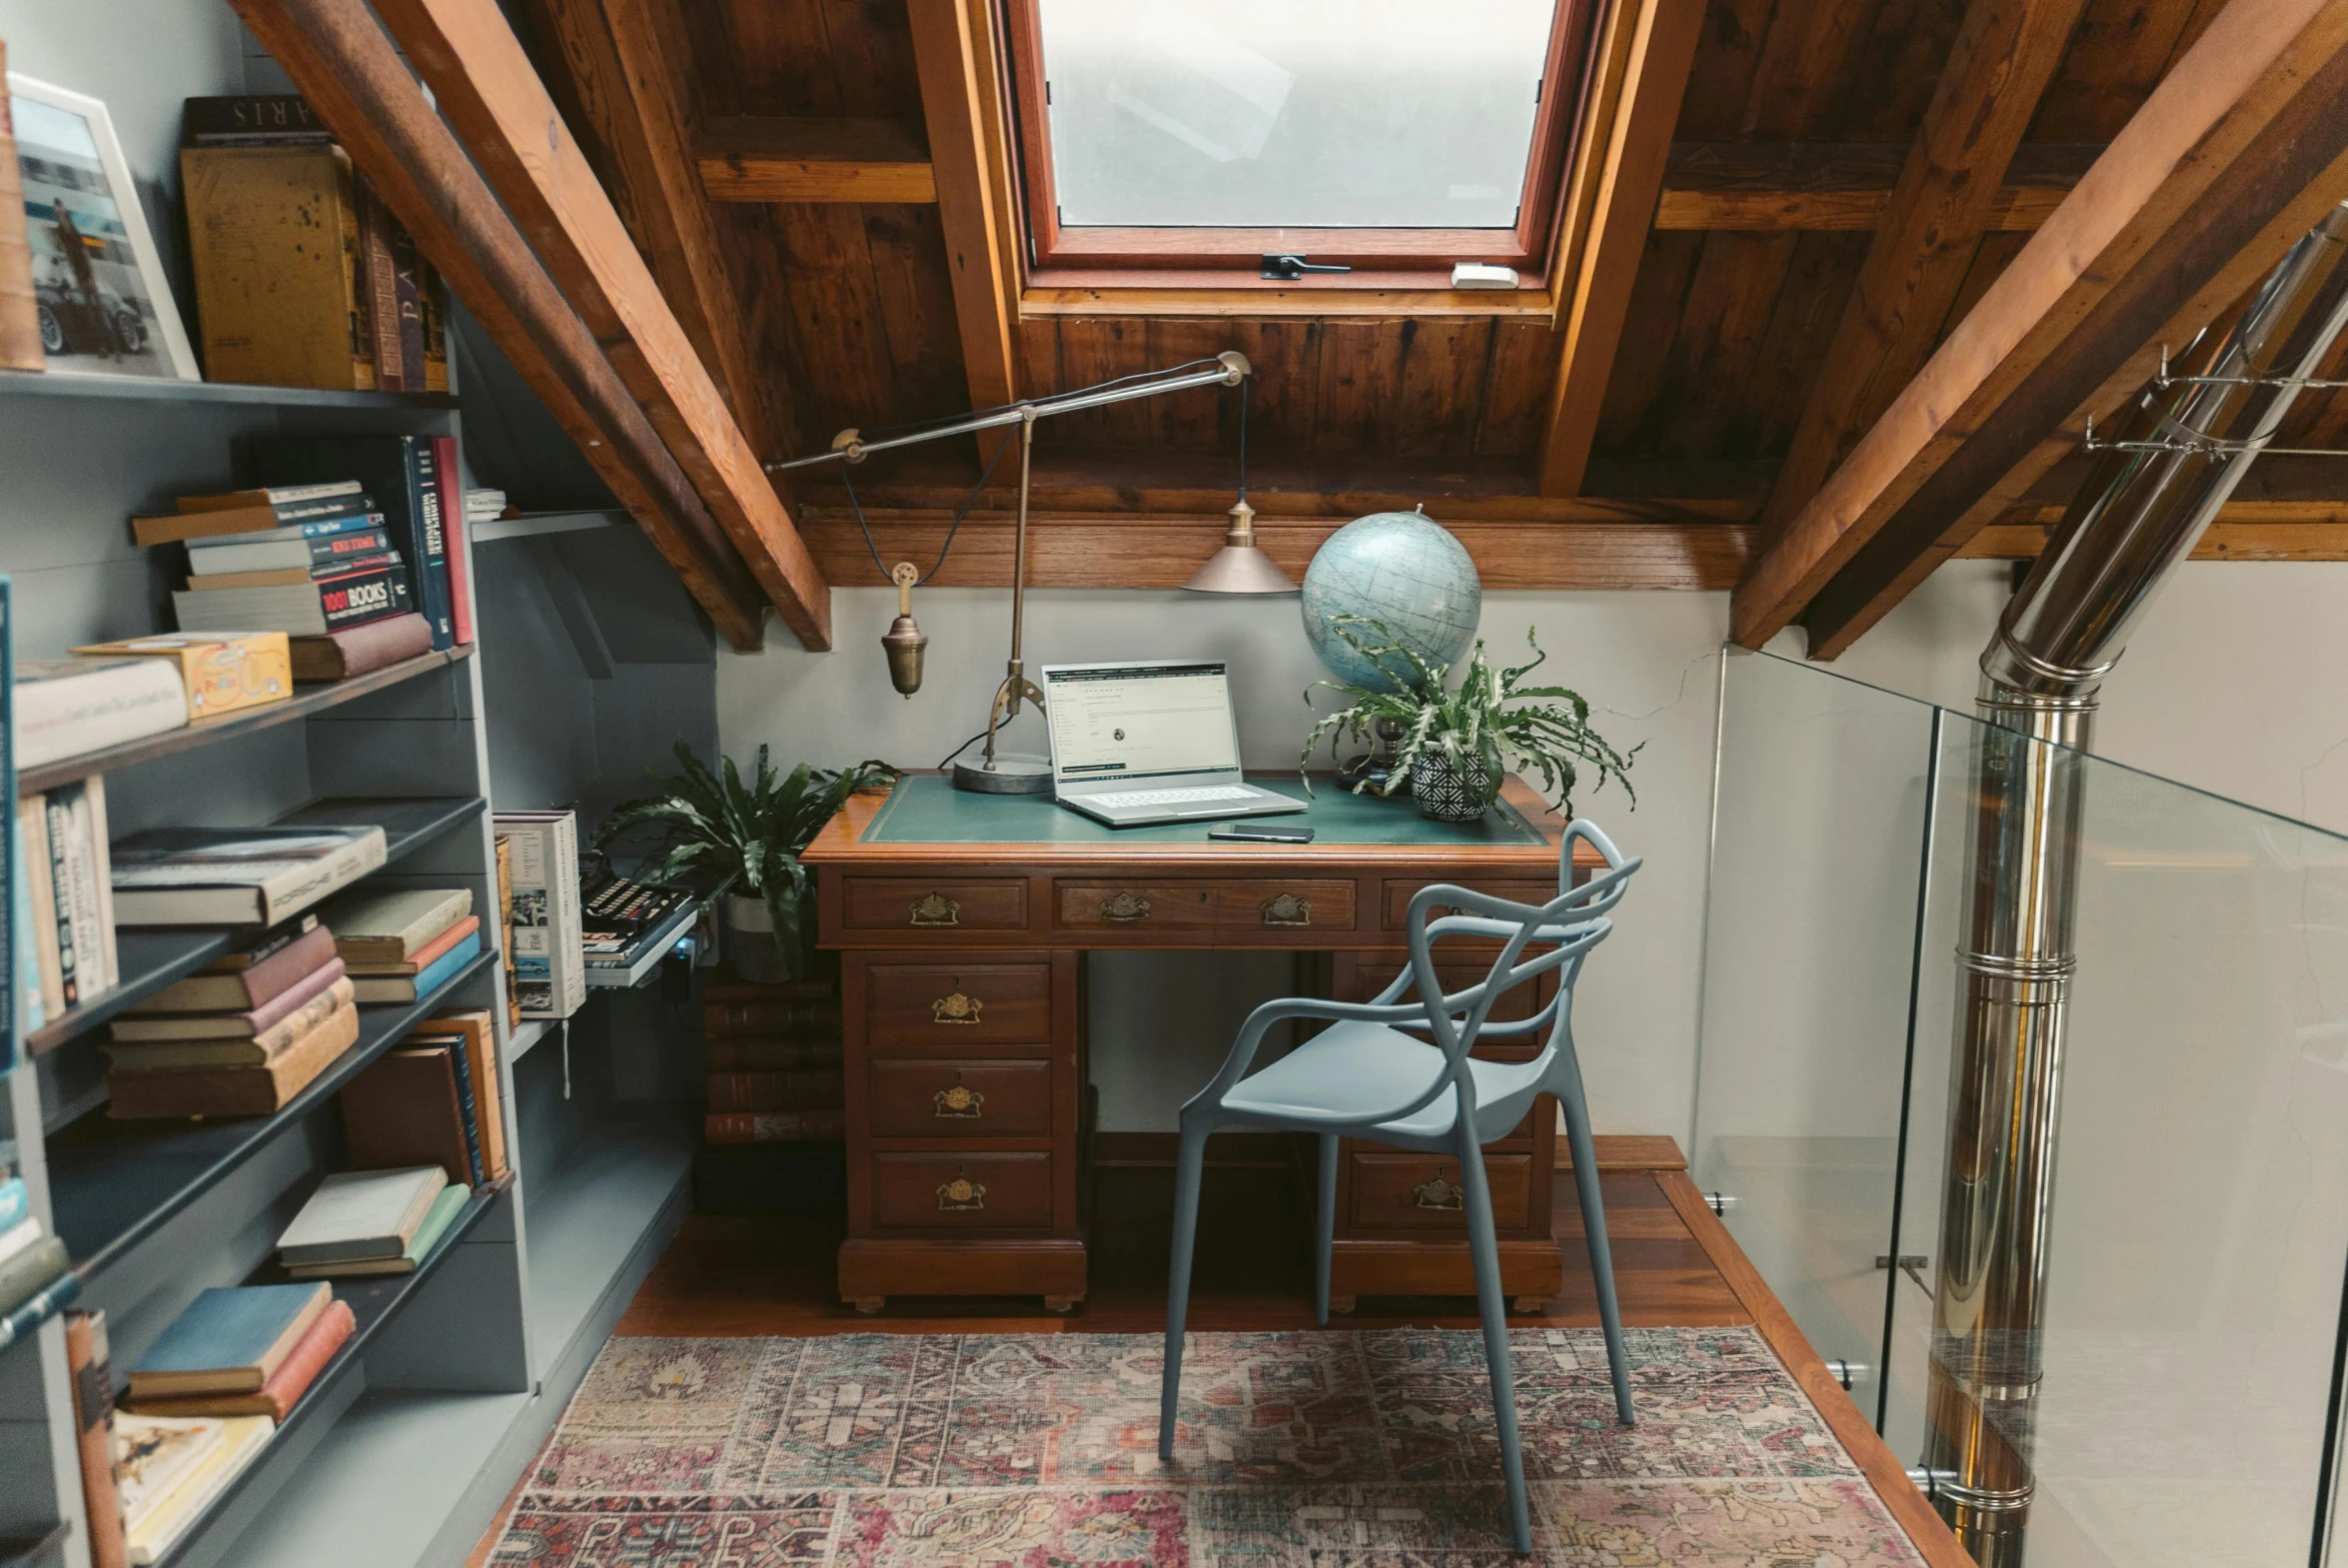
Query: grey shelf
[[152, 957], [48, 1549], [307, 699], [115, 1184], [598, 1222], [164, 388]]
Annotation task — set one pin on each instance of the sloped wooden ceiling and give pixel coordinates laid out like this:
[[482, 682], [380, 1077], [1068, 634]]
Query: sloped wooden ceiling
[[1795, 120]]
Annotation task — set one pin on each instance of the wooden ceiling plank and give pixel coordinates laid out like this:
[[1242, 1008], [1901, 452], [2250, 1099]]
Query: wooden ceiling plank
[[1826, 186], [492, 95], [949, 51], [2193, 200], [1643, 69], [778, 159], [2005, 53], [337, 55], [628, 78]]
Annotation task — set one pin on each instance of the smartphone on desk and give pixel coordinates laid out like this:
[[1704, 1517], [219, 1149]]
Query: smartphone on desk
[[1244, 832]]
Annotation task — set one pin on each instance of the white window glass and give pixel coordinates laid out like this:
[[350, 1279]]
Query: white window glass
[[1359, 114]]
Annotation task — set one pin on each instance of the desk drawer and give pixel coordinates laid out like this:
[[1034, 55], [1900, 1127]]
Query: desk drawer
[[1400, 891], [947, 1007], [1233, 905], [905, 904], [1398, 1192], [962, 1191], [920, 1097]]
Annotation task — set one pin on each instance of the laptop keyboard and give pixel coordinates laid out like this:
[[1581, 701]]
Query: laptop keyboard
[[1125, 799]]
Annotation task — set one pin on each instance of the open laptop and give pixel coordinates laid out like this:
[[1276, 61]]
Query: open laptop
[[1147, 741]]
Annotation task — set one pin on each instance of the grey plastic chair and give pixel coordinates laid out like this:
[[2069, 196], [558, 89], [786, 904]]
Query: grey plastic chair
[[1362, 1078]]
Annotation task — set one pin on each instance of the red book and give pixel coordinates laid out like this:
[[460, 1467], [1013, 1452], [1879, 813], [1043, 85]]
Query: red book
[[359, 649], [789, 1126], [811, 1091], [451, 480], [293, 1377], [255, 985], [131, 1028]]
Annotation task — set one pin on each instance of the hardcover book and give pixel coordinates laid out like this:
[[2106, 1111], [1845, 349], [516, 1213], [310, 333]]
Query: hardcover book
[[425, 957], [37, 943], [360, 534], [445, 1209], [277, 1397], [65, 706], [476, 1032], [390, 925], [288, 1035], [27, 1273], [138, 1026], [359, 650], [228, 1340], [549, 970], [404, 1111], [250, 986], [414, 987], [273, 239], [354, 593], [237, 875], [322, 509], [242, 1438], [153, 1454], [787, 1126], [89, 1367], [398, 470], [232, 1091], [361, 1213]]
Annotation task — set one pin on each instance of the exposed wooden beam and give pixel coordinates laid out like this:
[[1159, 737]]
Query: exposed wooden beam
[[2230, 538], [1824, 186], [2234, 156], [2005, 53], [1641, 72], [491, 94], [954, 55], [624, 84], [746, 159], [338, 57]]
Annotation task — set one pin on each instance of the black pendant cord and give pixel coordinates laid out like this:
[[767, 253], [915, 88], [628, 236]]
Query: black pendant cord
[[944, 548], [1244, 382]]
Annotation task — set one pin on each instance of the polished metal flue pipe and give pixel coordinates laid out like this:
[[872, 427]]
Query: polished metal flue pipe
[[2158, 480]]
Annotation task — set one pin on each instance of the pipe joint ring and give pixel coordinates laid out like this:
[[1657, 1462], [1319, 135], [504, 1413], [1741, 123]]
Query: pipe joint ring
[[1985, 1499], [2012, 967]]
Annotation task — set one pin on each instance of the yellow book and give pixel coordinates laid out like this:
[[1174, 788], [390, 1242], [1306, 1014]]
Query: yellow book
[[161, 1525], [274, 236], [224, 670]]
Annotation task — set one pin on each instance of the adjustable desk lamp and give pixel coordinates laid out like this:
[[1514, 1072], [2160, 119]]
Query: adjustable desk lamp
[[1237, 568]]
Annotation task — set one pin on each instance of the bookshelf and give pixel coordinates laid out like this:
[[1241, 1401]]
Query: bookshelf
[[162, 389]]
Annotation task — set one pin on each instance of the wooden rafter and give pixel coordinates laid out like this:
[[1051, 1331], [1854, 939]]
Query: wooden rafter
[[953, 56], [1818, 187], [338, 57], [489, 92], [624, 84], [1640, 76], [752, 159], [2006, 54], [2238, 151]]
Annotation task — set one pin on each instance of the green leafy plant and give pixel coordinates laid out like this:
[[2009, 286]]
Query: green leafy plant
[[749, 835], [1492, 719]]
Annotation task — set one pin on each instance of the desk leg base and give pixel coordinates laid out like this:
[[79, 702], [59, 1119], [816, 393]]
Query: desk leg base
[[1051, 1267], [1530, 1271]]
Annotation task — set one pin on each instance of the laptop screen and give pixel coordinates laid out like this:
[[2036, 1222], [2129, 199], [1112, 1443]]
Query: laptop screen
[[1140, 720]]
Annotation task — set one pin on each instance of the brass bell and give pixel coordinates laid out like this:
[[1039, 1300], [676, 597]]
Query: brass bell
[[903, 641]]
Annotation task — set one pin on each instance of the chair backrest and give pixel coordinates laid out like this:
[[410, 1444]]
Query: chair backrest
[[1565, 930]]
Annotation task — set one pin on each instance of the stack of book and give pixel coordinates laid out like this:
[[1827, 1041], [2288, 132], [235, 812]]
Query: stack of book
[[363, 1222], [482, 506], [68, 889], [33, 1265], [305, 560], [539, 854], [414, 480], [404, 945], [169, 1469], [236, 875], [65, 706], [241, 1350], [630, 925], [433, 1100], [774, 1062], [239, 1037]]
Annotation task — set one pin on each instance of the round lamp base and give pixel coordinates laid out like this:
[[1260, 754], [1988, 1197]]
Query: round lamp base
[[1013, 772]]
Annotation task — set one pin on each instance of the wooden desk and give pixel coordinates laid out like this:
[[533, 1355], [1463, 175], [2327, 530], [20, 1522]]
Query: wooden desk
[[962, 988]]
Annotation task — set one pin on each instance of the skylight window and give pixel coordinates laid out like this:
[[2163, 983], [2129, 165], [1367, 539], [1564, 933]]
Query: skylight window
[[1371, 134]]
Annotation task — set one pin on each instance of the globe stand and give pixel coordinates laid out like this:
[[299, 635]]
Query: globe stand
[[1374, 767]]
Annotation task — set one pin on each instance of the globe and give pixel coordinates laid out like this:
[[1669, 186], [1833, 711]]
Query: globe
[[1405, 571]]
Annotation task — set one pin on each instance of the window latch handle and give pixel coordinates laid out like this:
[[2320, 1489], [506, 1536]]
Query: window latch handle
[[1287, 269]]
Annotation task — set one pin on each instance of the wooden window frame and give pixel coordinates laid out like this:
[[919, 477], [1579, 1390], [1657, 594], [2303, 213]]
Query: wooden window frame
[[1382, 259]]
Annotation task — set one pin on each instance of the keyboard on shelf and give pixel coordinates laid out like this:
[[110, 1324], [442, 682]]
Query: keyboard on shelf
[[1132, 798]]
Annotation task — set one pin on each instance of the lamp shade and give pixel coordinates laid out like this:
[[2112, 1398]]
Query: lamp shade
[[1240, 568]]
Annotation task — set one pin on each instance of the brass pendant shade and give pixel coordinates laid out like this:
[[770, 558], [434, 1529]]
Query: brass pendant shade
[[1240, 568]]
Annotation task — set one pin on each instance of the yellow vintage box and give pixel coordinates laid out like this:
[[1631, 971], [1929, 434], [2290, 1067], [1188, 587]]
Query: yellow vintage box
[[224, 670]]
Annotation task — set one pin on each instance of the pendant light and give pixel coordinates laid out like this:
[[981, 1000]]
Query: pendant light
[[1240, 568]]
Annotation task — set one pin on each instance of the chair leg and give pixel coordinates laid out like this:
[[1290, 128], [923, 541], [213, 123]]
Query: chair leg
[[1325, 1226], [1602, 1257], [1485, 1247], [1190, 1166]]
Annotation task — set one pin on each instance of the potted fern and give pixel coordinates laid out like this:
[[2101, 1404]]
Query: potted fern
[[749, 835], [1457, 743]]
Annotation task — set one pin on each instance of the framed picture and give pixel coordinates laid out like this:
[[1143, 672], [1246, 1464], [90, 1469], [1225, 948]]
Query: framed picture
[[104, 306]]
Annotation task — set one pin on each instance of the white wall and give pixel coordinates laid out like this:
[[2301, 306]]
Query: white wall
[[1648, 661]]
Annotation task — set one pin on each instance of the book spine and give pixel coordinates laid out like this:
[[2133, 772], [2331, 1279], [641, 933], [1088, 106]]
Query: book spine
[[802, 1126], [24, 947], [803, 1092], [105, 959], [59, 813], [448, 479], [408, 282], [430, 549], [33, 813], [468, 1111], [89, 1364], [15, 1203], [794, 1020], [353, 512], [77, 929], [20, 308], [354, 596], [380, 286], [436, 331], [363, 368]]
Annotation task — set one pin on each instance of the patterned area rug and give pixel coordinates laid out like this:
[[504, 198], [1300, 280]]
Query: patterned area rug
[[1334, 1450]]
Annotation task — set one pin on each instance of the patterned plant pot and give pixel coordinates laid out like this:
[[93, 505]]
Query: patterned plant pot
[[1446, 794]]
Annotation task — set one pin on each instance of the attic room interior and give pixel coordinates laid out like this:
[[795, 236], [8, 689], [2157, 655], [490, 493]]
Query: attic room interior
[[1526, 598]]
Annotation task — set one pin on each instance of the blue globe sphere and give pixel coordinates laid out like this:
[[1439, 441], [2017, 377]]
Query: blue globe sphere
[[1405, 571]]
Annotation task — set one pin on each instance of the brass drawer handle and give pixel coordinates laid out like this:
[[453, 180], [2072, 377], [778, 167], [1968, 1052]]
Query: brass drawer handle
[[961, 1193], [1286, 910], [1122, 906], [935, 909], [961, 1104], [957, 1008], [1435, 1192]]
